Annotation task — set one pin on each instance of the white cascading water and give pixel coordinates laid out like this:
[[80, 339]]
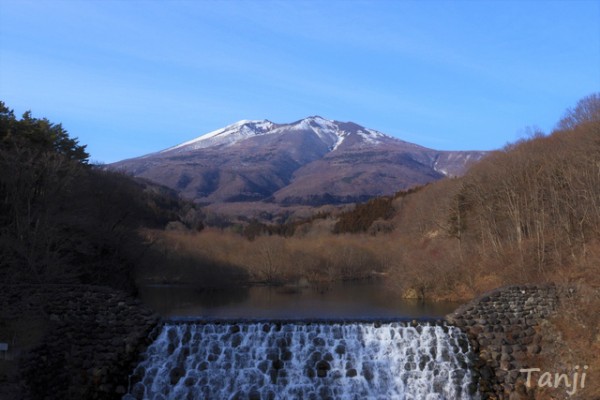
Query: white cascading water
[[305, 361]]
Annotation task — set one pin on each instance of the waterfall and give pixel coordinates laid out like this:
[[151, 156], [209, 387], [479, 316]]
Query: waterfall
[[269, 360]]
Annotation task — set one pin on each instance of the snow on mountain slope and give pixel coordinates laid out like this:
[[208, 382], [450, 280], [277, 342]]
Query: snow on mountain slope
[[332, 133], [225, 136]]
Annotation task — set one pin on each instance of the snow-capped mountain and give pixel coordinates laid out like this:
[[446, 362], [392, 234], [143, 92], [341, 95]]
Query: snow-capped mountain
[[310, 161]]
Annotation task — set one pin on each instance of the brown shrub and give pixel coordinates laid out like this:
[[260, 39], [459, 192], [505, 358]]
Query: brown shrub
[[271, 259]]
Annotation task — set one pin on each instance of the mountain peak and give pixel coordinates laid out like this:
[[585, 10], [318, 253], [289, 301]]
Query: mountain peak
[[318, 118], [330, 132]]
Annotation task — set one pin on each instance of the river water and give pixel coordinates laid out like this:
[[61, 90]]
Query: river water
[[350, 300]]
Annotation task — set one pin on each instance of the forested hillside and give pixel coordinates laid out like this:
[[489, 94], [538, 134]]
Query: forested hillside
[[529, 212], [64, 221]]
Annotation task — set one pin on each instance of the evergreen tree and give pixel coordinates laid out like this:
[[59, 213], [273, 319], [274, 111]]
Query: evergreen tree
[[39, 135]]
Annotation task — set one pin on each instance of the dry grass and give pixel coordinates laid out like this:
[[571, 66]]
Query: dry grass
[[575, 341]]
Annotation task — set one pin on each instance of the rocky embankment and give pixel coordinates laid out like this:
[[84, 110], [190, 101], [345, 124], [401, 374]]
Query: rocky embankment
[[503, 329], [88, 341]]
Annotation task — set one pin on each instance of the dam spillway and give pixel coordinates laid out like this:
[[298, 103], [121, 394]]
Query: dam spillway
[[305, 360]]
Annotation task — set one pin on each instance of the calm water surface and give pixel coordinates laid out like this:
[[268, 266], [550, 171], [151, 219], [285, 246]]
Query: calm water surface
[[352, 300]]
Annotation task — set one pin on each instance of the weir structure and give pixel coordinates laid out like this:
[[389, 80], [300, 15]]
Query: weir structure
[[299, 359], [502, 328], [93, 338]]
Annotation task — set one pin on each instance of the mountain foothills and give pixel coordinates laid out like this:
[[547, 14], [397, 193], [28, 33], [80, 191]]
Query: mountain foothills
[[313, 161]]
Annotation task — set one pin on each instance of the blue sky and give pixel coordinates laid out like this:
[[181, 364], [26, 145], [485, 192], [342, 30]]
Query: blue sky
[[133, 77]]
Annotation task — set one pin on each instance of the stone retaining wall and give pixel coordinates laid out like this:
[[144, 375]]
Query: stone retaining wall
[[91, 342], [501, 326]]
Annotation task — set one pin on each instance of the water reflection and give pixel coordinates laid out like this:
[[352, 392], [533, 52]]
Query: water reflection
[[352, 300]]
